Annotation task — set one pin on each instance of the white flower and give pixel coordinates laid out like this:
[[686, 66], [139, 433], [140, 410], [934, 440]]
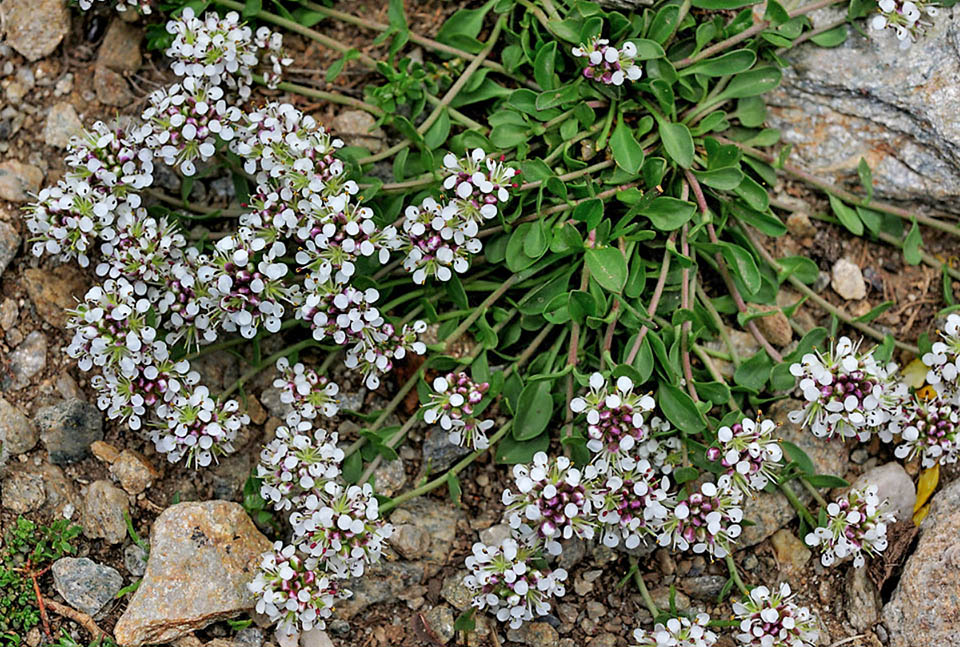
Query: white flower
[[452, 405], [609, 65], [505, 580], [296, 464], [930, 430], [707, 521], [771, 619], [309, 393], [614, 415], [678, 632], [855, 527], [632, 502], [749, 452]]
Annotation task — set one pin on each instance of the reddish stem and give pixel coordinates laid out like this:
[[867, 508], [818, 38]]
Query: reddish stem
[[655, 300]]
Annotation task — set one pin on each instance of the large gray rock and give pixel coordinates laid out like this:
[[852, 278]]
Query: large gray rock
[[870, 99], [925, 607], [84, 584], [35, 27], [68, 428], [202, 555]]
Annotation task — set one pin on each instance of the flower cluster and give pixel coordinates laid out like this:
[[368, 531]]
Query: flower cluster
[[856, 527], [452, 403], [144, 7], [771, 618], [908, 18], [706, 521], [748, 452], [222, 50], [609, 65], [678, 632], [614, 416], [847, 392], [337, 529], [506, 581], [440, 237]]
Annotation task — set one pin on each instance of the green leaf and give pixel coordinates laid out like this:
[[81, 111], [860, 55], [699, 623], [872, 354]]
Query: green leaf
[[453, 486], [608, 266], [685, 474], [847, 216], [826, 481], [252, 8], [513, 452], [668, 213], [465, 621], [664, 23], [647, 49], [775, 13], [438, 132], [751, 83], [733, 62], [866, 178], [801, 267], [754, 373], [911, 245], [831, 37], [724, 179], [627, 152], [799, 457], [743, 265], [543, 66], [353, 468], [534, 410], [875, 312], [722, 4], [677, 142], [462, 28], [680, 409], [589, 212]]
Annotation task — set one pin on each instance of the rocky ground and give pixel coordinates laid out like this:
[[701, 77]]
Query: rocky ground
[[61, 458]]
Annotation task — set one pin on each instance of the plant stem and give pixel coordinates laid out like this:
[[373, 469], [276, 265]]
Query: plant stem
[[721, 327], [440, 480], [462, 328], [642, 587], [735, 574], [843, 194], [814, 492], [797, 504], [414, 37], [813, 32], [701, 352], [654, 300], [725, 273], [314, 93], [572, 175], [748, 33], [820, 301], [462, 80]]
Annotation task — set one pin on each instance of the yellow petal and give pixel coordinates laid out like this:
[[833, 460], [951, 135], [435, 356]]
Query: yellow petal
[[925, 487], [915, 373]]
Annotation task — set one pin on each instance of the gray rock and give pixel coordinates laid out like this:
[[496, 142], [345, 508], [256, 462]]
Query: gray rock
[[847, 280], [202, 555], [35, 27], [19, 181], [456, 592], [356, 128], [603, 640], [134, 471], [380, 582], [791, 553], [574, 550], [9, 312], [925, 606], [894, 485], [438, 452], [249, 637], [867, 99], [84, 584], [494, 535], [535, 634], [9, 242], [862, 600], [390, 477], [111, 87], [438, 519], [68, 428], [703, 587], [23, 492], [411, 541], [103, 510], [55, 292], [439, 623], [17, 433], [316, 637], [62, 124], [59, 496], [28, 360], [135, 560], [120, 48]]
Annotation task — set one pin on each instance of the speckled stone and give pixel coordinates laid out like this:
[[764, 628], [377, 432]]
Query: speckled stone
[[869, 99], [55, 292], [925, 606], [202, 555], [35, 27], [19, 181], [84, 584], [9, 244], [103, 510]]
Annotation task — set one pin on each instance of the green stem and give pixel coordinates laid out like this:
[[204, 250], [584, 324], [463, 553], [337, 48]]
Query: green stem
[[642, 587], [313, 93], [391, 406], [718, 321], [462, 80], [270, 361], [462, 328], [440, 480], [735, 574], [566, 177], [701, 352], [814, 492], [797, 504]]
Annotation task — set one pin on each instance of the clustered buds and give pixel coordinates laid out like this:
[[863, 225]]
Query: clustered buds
[[706, 521], [614, 416], [607, 64], [856, 527], [908, 18], [453, 404], [772, 619], [337, 529], [440, 237], [848, 393], [678, 632], [748, 452]]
